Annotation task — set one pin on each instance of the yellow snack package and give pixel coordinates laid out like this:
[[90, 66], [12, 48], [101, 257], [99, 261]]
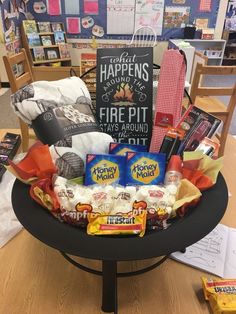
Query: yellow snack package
[[117, 224], [221, 286], [223, 303]]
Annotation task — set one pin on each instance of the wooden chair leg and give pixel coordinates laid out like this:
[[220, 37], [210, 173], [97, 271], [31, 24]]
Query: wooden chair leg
[[223, 138], [24, 136]]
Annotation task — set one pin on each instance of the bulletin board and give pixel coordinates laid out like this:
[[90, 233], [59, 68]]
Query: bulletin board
[[12, 15], [96, 11]]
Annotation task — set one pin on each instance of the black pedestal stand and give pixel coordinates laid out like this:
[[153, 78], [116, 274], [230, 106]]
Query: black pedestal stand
[[109, 279]]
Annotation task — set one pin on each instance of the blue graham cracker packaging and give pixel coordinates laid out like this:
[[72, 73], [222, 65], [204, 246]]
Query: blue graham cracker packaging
[[145, 168], [122, 148], [105, 169]]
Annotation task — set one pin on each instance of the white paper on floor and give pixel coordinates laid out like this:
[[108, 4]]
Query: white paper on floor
[[3, 91], [9, 225]]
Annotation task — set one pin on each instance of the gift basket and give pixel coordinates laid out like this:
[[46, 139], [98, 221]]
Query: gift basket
[[88, 180]]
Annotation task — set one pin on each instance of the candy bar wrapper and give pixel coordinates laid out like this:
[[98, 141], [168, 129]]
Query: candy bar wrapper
[[221, 294], [123, 148], [218, 286], [117, 224], [145, 168], [104, 169], [223, 303]]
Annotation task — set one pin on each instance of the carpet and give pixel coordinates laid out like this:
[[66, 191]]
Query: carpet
[[8, 119]]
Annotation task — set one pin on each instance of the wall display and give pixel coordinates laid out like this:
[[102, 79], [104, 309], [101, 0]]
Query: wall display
[[98, 31], [54, 7], [87, 21], [40, 7], [73, 25], [176, 17], [178, 1], [91, 7], [98, 12], [72, 7], [149, 13], [201, 23], [124, 93], [120, 16], [205, 5]]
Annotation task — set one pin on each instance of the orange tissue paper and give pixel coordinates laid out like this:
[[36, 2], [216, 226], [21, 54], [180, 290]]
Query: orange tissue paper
[[37, 164]]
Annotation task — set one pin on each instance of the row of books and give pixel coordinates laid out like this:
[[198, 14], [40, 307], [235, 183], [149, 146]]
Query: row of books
[[40, 53], [35, 39], [30, 27]]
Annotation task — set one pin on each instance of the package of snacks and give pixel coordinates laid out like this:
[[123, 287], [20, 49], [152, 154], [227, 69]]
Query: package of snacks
[[221, 294], [117, 224], [74, 200], [104, 169], [145, 168], [223, 303], [218, 286], [159, 201], [123, 148]]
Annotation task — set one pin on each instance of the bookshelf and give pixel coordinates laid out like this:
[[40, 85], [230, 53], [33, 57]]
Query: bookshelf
[[212, 48], [45, 43], [88, 61], [230, 48]]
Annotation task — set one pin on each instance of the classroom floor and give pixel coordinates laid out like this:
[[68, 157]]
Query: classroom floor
[[224, 81]]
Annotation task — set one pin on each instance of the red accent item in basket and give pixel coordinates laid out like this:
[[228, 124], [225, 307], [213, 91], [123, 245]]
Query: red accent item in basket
[[169, 94]]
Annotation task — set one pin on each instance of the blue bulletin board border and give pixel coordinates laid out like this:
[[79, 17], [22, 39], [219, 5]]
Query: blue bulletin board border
[[101, 18]]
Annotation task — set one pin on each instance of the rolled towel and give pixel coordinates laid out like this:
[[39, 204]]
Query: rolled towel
[[75, 132]]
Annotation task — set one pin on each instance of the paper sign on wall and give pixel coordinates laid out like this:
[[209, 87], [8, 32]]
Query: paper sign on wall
[[149, 13], [178, 1], [73, 25], [91, 6], [201, 23], [72, 7], [120, 16], [176, 16], [54, 7], [205, 5]]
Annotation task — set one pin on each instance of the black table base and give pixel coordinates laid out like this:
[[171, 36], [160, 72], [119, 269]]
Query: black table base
[[109, 279], [196, 224]]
